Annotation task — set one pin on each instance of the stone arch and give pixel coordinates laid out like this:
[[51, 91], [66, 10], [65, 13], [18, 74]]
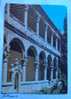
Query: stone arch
[[42, 58], [16, 50], [31, 53], [49, 61], [15, 43]]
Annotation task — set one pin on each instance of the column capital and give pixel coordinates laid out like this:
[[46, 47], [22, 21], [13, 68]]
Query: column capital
[[52, 68], [36, 63], [6, 50], [26, 8], [16, 61], [46, 28], [38, 18], [5, 60], [25, 59], [45, 63]]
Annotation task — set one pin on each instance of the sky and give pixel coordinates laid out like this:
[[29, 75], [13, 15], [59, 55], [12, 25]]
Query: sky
[[56, 14]]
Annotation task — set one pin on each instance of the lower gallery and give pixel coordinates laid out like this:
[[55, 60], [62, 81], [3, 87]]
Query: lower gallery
[[32, 50]]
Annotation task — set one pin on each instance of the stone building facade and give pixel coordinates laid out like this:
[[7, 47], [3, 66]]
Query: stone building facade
[[32, 49]]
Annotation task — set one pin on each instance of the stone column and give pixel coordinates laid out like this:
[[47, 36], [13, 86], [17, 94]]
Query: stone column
[[52, 69], [60, 45], [52, 39], [56, 43], [26, 17], [37, 26], [5, 59], [5, 65], [12, 70], [8, 10], [57, 70], [37, 68], [52, 73], [45, 72], [24, 68], [46, 32]]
